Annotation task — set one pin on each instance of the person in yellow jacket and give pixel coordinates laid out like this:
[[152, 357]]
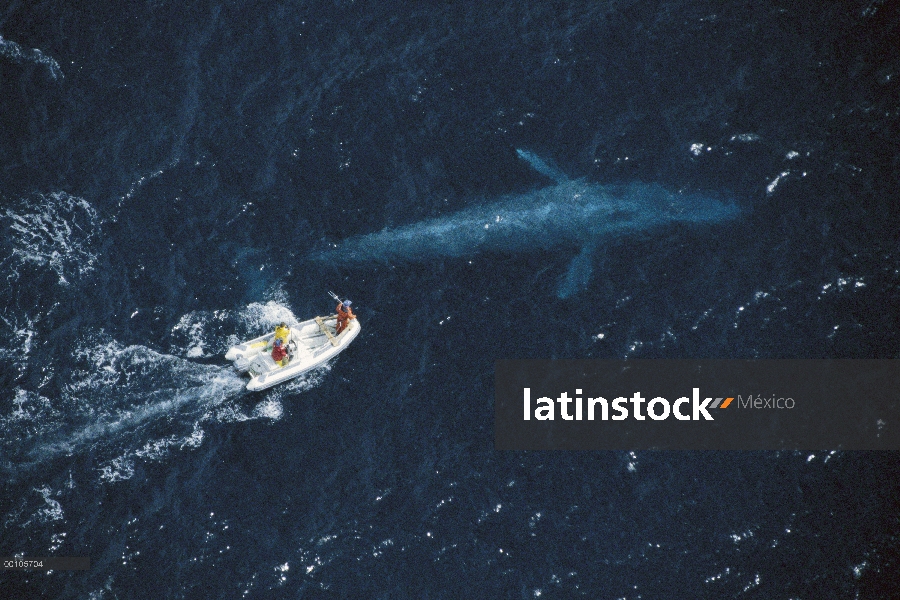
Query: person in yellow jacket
[[283, 333]]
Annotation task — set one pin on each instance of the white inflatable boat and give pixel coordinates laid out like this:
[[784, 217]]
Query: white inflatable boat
[[311, 344]]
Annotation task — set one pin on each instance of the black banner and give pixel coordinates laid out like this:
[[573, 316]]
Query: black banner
[[697, 405]]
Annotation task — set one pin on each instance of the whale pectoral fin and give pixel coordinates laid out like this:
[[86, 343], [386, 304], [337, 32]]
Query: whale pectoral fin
[[579, 274], [541, 166]]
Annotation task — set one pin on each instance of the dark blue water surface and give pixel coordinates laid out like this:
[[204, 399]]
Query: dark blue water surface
[[168, 168]]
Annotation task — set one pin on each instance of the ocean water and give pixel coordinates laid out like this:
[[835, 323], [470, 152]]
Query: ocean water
[[169, 172]]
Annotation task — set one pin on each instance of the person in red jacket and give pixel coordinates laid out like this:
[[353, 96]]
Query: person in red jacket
[[279, 353], [344, 314]]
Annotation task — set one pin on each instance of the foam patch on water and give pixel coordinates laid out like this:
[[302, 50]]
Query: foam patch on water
[[266, 316], [118, 469], [26, 419], [29, 406], [58, 231], [56, 540], [22, 334], [159, 448], [16, 53], [210, 333], [269, 409], [16, 341], [121, 468], [43, 238], [52, 510]]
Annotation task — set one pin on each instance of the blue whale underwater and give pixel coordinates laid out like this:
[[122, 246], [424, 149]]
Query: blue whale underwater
[[569, 214]]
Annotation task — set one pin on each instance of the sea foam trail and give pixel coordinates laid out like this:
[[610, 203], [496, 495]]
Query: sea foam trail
[[134, 403], [116, 396]]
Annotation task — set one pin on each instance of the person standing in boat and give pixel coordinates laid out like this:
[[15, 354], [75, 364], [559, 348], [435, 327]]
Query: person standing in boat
[[344, 314], [280, 353]]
